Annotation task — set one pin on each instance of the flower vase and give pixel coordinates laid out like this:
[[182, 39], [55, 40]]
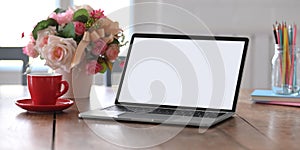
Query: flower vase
[[79, 82]]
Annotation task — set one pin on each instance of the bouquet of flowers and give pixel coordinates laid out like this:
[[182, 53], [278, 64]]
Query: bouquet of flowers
[[67, 37]]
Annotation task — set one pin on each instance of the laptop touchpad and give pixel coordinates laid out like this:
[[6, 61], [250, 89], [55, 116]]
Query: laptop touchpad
[[153, 117]]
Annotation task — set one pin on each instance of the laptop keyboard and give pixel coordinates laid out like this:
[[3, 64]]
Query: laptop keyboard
[[164, 111]]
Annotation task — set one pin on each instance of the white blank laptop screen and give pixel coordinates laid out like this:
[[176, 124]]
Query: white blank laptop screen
[[182, 72]]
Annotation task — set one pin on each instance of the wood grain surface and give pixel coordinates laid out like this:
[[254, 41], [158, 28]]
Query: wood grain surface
[[255, 126], [20, 129]]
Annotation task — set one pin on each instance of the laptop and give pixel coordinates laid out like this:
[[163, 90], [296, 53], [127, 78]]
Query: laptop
[[173, 79]]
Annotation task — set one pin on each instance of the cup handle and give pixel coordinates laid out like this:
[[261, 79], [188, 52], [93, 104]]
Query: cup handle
[[66, 87]]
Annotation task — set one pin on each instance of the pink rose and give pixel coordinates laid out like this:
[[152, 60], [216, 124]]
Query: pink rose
[[59, 52], [62, 18], [79, 28], [93, 67], [30, 50], [44, 41], [97, 14], [99, 47], [43, 36], [112, 52]]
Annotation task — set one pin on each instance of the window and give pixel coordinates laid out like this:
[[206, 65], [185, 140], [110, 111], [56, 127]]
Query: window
[[19, 16]]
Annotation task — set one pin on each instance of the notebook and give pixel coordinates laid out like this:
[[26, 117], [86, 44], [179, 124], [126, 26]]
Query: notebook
[[259, 95], [178, 79]]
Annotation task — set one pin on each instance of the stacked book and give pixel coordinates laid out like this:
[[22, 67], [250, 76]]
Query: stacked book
[[269, 97]]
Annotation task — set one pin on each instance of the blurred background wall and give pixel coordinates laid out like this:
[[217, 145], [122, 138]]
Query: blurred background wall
[[251, 18]]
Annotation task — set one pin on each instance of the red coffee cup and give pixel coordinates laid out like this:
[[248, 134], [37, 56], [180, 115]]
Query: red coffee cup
[[45, 88]]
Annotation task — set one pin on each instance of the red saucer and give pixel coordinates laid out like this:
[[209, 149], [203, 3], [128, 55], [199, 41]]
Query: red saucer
[[60, 105]]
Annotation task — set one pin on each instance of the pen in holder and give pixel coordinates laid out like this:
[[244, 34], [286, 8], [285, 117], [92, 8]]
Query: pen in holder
[[286, 60], [285, 75]]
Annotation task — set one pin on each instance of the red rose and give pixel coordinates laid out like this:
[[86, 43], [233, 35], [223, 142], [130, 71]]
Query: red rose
[[79, 28], [112, 52]]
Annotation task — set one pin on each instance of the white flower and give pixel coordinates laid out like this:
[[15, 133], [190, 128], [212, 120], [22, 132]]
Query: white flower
[[59, 52]]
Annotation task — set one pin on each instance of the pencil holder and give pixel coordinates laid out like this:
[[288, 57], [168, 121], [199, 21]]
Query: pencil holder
[[285, 72]]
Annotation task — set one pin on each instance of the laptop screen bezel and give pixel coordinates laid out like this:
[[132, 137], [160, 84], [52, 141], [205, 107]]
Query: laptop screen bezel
[[192, 37]]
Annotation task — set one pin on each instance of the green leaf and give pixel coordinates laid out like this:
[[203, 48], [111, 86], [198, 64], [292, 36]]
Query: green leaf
[[78, 38], [59, 10], [81, 15], [43, 25], [68, 31], [104, 67], [115, 41]]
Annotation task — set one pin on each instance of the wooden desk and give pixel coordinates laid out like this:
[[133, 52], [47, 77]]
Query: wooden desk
[[255, 126]]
